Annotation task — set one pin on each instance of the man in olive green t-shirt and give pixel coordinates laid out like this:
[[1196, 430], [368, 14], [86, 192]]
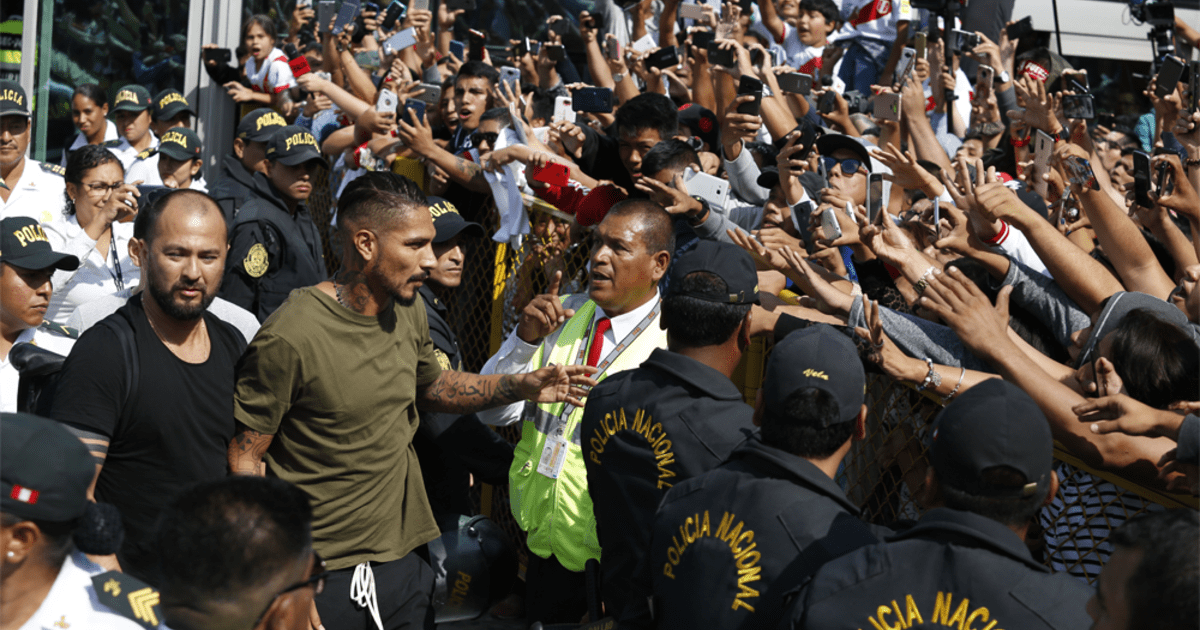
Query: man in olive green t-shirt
[[327, 397]]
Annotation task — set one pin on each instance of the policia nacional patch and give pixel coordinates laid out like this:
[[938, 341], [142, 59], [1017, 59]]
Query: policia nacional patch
[[255, 262], [129, 597]]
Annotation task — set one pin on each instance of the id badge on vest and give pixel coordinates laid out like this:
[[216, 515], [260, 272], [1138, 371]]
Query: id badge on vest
[[554, 453]]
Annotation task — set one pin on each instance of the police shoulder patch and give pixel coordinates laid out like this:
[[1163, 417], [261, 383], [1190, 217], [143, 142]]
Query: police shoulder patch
[[256, 261], [53, 169], [129, 597], [148, 153], [59, 329], [111, 144]]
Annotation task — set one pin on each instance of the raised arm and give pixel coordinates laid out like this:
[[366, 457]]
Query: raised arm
[[462, 392]]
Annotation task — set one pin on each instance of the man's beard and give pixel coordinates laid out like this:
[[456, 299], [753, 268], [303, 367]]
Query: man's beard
[[166, 301], [408, 301]]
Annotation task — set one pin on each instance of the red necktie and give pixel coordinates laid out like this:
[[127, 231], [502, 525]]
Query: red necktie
[[602, 327]]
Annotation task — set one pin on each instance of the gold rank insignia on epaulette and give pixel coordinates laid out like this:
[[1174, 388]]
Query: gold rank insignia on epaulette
[[55, 327], [54, 169], [111, 144], [147, 153], [129, 597]]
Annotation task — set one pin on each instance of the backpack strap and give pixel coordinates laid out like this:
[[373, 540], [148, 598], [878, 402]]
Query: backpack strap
[[123, 329]]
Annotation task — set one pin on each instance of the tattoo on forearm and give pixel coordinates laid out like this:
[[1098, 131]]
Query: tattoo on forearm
[[246, 451], [460, 392], [469, 170]]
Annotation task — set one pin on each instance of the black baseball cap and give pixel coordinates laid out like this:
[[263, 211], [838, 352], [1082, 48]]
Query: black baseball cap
[[768, 177], [293, 145], [23, 244], [260, 124], [724, 260], [448, 223], [13, 101], [132, 98], [44, 470], [180, 143], [830, 143], [992, 424], [168, 103], [818, 356]]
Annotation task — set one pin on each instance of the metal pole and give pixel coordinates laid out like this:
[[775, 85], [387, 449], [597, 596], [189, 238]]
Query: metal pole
[[42, 113], [1057, 29]]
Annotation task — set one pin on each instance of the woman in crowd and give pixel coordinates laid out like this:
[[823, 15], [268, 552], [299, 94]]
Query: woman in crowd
[[89, 112]]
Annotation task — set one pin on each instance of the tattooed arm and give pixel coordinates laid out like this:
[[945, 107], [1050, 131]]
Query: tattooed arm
[[462, 392], [246, 451], [419, 138]]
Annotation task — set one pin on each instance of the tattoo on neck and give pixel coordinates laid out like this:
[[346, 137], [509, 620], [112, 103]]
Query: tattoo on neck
[[351, 289]]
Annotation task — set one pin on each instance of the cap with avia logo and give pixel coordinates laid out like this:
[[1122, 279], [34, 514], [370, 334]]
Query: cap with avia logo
[[180, 143], [132, 98], [23, 244], [293, 145], [170, 103], [260, 124], [13, 101], [448, 223]]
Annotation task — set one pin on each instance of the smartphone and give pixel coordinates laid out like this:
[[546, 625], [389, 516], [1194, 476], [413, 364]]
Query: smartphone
[[829, 224], [756, 57], [1080, 79], [1020, 28], [555, 52], [920, 43], [721, 57], [400, 41], [828, 102], [564, 109], [220, 55], [1193, 86], [612, 49], [476, 40], [887, 106], [588, 22], [552, 173], [750, 86], [511, 76], [455, 5], [369, 7], [874, 197], [325, 11], [387, 101], [646, 43], [458, 49], [414, 111], [1076, 106], [937, 216], [345, 16], [1168, 76], [592, 99], [965, 41], [904, 66], [714, 190], [394, 12], [795, 83], [691, 12], [663, 58], [431, 94], [303, 4], [1164, 183], [1043, 145], [986, 76], [1141, 180], [559, 27], [701, 39], [367, 59], [420, 5]]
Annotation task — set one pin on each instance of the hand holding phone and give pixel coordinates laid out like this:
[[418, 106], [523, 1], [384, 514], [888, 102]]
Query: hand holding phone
[[387, 101], [552, 173], [830, 225]]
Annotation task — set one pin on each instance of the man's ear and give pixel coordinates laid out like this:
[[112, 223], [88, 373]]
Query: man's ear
[[195, 167], [860, 425], [239, 148], [743, 332], [662, 260], [1053, 489], [139, 252], [366, 244]]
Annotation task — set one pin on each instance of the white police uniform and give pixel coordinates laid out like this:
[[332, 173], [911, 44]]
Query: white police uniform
[[112, 140], [141, 165], [40, 194], [49, 336], [72, 602]]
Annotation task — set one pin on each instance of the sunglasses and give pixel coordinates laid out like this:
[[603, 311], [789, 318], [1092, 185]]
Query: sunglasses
[[480, 137], [317, 581], [850, 166]]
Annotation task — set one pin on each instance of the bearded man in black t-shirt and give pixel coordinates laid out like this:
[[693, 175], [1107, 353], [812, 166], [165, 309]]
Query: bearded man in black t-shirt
[[149, 389]]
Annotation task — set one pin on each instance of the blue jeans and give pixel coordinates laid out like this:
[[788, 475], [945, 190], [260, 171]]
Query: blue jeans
[[864, 60]]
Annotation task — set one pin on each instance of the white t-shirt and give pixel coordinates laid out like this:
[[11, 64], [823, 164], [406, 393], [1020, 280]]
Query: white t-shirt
[[97, 275], [273, 77], [10, 378], [72, 601], [873, 19]]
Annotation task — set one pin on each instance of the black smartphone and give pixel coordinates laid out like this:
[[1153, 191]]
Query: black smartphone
[[756, 57], [612, 49], [663, 58], [1164, 183], [1076, 106], [559, 27], [475, 40], [701, 39], [458, 49], [394, 12], [795, 83], [592, 99], [588, 22], [874, 196], [220, 55], [345, 15], [455, 5], [965, 41], [555, 52], [1141, 180], [414, 111], [828, 102], [369, 7], [1193, 101], [1020, 28], [749, 86], [1168, 76], [721, 57]]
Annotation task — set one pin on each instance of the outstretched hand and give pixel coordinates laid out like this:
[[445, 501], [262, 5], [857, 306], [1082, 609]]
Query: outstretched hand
[[557, 383], [1119, 413]]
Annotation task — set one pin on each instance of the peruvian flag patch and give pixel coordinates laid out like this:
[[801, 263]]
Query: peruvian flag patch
[[24, 495]]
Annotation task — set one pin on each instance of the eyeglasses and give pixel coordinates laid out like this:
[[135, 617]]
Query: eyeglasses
[[100, 188], [317, 578], [480, 137], [850, 166]]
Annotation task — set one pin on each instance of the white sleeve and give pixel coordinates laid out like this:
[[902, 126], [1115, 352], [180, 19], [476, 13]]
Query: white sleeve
[[280, 77], [80, 247], [514, 357], [1012, 242]]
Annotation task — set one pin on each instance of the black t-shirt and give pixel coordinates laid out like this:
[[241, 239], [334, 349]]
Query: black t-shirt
[[175, 431]]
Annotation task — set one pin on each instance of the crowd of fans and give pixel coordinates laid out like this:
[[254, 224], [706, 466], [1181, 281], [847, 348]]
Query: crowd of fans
[[283, 429]]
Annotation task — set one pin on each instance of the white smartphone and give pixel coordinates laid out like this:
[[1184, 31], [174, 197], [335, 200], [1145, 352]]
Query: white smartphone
[[511, 76], [644, 44], [304, 4], [714, 190], [1043, 146], [419, 5], [829, 224], [987, 75], [387, 101], [691, 11], [903, 66], [563, 111], [400, 41]]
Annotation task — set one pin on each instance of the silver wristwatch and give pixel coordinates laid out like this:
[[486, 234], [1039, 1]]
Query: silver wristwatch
[[619, 77]]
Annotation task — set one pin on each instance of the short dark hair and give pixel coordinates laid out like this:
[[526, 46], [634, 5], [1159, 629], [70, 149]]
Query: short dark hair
[[147, 217], [826, 8], [93, 92], [648, 111], [658, 231], [1164, 591], [1156, 360], [378, 199], [799, 427], [264, 22], [1014, 511], [80, 162], [669, 154], [222, 536], [473, 68], [695, 323], [543, 104], [498, 113]]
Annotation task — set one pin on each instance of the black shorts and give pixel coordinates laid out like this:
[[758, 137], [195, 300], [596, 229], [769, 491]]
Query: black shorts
[[403, 588]]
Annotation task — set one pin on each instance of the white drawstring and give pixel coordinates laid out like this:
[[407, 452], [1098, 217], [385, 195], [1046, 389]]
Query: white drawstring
[[362, 591]]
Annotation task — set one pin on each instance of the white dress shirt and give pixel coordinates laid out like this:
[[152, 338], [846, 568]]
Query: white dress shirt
[[72, 601], [97, 275], [39, 194]]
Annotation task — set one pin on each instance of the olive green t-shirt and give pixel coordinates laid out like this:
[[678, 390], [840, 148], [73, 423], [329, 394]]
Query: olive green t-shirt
[[338, 392]]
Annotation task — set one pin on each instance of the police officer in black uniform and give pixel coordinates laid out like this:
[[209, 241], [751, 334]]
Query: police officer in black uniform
[[235, 183], [675, 417], [451, 447], [965, 563], [274, 246], [772, 510]]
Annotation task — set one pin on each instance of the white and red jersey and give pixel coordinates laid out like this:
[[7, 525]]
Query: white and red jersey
[[874, 19], [806, 59], [273, 77]]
